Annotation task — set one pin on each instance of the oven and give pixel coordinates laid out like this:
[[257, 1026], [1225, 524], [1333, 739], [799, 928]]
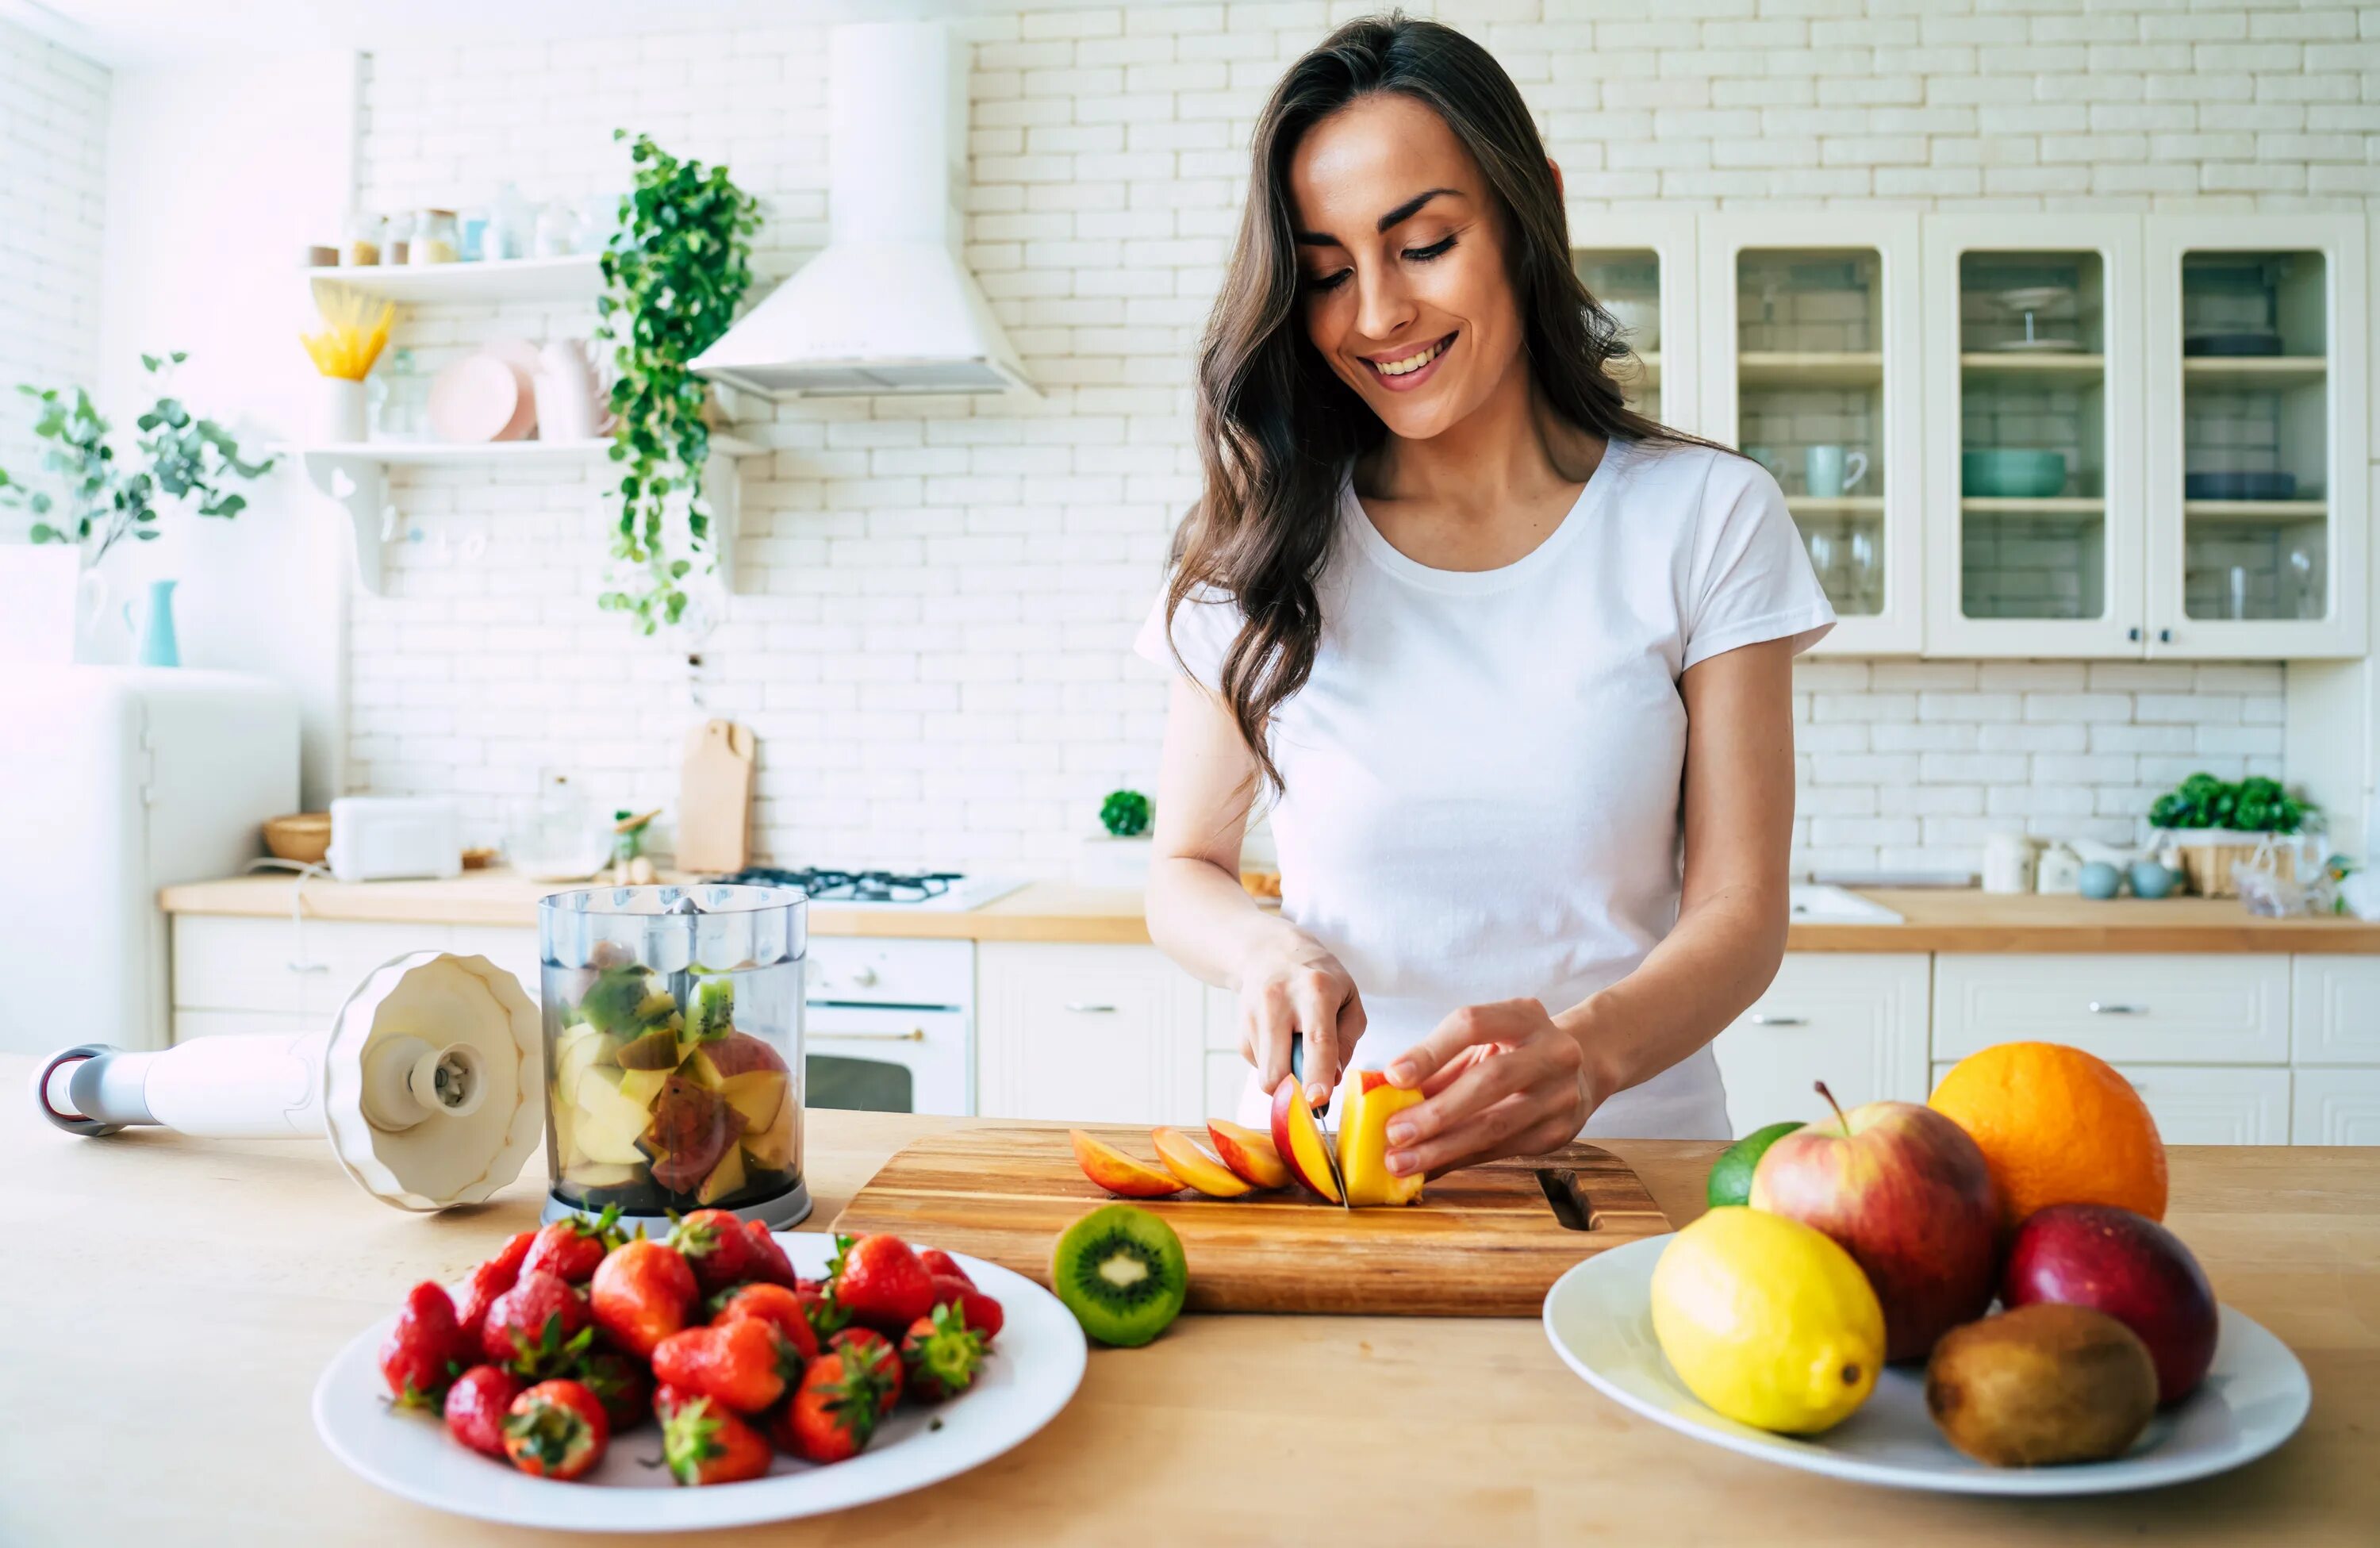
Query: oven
[[888, 1024]]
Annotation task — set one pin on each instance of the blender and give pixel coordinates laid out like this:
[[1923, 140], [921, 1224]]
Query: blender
[[672, 1023]]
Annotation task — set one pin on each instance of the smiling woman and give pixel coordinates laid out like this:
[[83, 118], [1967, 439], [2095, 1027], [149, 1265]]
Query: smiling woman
[[1510, 659]]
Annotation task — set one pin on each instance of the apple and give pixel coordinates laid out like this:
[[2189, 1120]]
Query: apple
[[1299, 1140], [1118, 1173], [1363, 1142], [1185, 1160], [2128, 1266], [1908, 1195], [1248, 1154]]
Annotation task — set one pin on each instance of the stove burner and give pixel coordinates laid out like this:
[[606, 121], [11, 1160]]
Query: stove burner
[[853, 886]]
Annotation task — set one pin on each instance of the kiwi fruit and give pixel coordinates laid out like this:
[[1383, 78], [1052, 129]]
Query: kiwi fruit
[[713, 1008], [2042, 1384], [1121, 1271]]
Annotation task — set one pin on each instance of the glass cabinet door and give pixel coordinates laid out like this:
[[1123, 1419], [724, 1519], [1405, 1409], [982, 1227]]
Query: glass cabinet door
[[1640, 268], [1626, 282]]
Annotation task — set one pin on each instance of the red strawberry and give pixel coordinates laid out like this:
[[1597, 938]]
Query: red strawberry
[[621, 1382], [870, 1349], [572, 1248], [983, 1313], [703, 1442], [641, 1293], [715, 1245], [492, 1279], [538, 1327], [827, 1317], [878, 1280], [424, 1350], [941, 1354], [809, 1287], [940, 1264], [556, 1430], [832, 1413], [769, 1264], [476, 1404], [774, 1305], [745, 1364]]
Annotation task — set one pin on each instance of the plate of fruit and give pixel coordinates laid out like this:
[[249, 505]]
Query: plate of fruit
[[1975, 1296], [724, 1376]]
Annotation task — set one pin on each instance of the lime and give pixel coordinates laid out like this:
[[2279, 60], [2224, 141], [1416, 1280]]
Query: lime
[[1731, 1175]]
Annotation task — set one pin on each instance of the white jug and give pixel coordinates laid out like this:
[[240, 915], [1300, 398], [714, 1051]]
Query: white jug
[[569, 400]]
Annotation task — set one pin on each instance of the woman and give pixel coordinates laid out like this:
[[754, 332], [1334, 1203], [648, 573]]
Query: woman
[[1511, 660]]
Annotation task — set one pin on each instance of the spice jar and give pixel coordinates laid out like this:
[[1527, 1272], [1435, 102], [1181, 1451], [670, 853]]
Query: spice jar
[[364, 233], [399, 238], [436, 238]]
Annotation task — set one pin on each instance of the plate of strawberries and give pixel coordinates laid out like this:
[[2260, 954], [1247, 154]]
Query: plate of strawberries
[[590, 1380]]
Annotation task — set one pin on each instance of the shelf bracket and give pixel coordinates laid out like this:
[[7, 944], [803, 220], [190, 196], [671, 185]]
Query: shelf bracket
[[359, 486]]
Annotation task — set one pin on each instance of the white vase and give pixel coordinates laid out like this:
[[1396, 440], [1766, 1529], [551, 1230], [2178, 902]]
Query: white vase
[[338, 411]]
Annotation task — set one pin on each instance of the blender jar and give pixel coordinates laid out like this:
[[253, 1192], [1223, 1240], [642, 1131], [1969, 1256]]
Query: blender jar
[[674, 1050]]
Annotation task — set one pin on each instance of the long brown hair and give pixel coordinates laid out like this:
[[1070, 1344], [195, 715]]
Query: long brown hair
[[1276, 428]]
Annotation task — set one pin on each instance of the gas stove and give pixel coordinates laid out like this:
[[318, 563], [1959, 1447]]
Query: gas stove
[[935, 891]]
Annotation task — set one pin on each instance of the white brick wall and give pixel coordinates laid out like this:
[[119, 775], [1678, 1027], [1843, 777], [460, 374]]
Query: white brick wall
[[939, 595], [53, 165]]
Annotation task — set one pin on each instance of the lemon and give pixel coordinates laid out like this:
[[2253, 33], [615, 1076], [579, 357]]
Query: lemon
[[1768, 1321]]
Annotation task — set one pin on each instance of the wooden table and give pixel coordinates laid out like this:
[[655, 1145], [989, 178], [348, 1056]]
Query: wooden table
[[166, 1304]]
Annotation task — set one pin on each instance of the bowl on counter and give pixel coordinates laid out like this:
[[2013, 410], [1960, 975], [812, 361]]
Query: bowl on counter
[[2007, 473], [303, 837]]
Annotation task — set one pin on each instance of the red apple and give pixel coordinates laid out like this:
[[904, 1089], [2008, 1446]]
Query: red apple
[[2128, 1266], [1908, 1195]]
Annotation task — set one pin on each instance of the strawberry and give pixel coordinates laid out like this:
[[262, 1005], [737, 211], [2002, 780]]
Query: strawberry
[[424, 1350], [769, 1264], [641, 1293], [745, 1364], [941, 1354], [492, 1279], [556, 1430], [870, 1349], [940, 1264], [879, 1281], [621, 1382], [715, 1245], [774, 1305], [827, 1316], [704, 1443], [476, 1404], [809, 1287], [832, 1413], [983, 1313], [572, 1248], [538, 1327]]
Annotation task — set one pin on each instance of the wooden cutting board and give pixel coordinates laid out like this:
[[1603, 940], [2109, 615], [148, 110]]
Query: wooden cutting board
[[1486, 1241], [714, 798]]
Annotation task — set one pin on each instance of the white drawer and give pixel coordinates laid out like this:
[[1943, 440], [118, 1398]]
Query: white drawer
[[1855, 1019], [345, 950], [1086, 1033], [2335, 1010], [2336, 1108], [2139, 1008], [2208, 1105], [189, 1024], [236, 964]]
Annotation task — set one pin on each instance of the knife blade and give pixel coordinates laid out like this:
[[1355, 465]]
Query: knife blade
[[1329, 1140]]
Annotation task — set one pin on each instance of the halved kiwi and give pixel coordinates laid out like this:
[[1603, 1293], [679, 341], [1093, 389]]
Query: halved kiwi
[[1121, 1271]]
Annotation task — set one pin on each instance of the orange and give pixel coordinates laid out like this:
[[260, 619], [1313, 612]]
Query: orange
[[2057, 1126]]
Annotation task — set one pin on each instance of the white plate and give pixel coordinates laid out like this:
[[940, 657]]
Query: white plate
[[1600, 1320], [1033, 1371]]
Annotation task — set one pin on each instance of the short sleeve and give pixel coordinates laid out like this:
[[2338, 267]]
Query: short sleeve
[[1204, 627], [1750, 579]]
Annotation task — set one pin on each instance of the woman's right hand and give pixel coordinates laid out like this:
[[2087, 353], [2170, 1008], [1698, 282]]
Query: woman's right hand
[[1299, 988]]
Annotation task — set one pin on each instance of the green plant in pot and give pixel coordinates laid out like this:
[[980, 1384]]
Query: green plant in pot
[[679, 262]]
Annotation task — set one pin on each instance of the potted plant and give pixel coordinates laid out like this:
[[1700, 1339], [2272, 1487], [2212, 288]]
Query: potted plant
[[2208, 825], [1118, 855]]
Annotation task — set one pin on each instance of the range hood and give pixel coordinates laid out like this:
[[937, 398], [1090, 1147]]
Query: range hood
[[887, 307]]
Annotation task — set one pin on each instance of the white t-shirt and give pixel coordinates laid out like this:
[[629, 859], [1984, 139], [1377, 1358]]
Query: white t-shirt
[[1483, 772]]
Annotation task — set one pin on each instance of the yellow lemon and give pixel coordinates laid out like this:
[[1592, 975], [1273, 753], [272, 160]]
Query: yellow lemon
[[1768, 1321]]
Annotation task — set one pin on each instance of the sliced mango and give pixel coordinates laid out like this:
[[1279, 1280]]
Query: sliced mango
[[640, 1086], [772, 1150], [757, 1094], [724, 1179], [608, 1123], [1363, 1142]]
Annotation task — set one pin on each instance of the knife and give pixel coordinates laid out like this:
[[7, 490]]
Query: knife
[[1329, 1140]]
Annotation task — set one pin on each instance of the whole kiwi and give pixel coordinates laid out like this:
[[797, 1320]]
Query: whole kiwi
[[2042, 1384]]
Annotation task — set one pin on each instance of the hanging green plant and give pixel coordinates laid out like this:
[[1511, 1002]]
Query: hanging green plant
[[673, 273]]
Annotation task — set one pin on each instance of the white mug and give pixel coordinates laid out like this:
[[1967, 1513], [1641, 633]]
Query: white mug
[[1825, 474]]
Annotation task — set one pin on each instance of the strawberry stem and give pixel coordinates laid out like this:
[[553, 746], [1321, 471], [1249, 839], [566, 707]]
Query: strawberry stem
[[1820, 1086]]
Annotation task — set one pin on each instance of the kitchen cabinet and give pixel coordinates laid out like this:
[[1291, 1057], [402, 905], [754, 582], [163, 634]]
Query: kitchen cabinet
[[1641, 267], [263, 975], [2138, 1008], [2033, 453], [1853, 1019], [1811, 365], [2336, 1108], [1087, 1033], [2210, 1104], [2335, 1011]]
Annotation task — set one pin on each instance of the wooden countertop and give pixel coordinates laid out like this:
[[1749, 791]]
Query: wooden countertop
[[170, 1302], [1933, 919]]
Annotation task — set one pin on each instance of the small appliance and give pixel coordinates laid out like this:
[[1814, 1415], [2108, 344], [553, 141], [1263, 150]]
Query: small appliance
[[384, 838]]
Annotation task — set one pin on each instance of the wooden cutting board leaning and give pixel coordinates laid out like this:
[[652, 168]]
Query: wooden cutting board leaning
[[1486, 1241], [714, 799]]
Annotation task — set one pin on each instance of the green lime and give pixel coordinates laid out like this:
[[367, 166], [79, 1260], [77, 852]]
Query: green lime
[[1731, 1175]]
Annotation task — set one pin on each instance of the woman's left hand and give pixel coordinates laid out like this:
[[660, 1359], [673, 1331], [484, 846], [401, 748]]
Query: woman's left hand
[[1502, 1079]]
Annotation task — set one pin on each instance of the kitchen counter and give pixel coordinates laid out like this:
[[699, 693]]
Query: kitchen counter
[[1933, 919], [172, 1301]]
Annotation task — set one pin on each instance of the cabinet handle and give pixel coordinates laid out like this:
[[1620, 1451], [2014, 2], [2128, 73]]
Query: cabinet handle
[[2108, 1008], [2165, 637], [1087, 1009], [1763, 1018], [308, 967], [2133, 634], [915, 1034]]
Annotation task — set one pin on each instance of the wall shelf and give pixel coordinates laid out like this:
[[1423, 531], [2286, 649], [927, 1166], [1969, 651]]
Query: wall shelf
[[577, 278], [1766, 368], [1840, 504], [1995, 362], [2256, 510], [2053, 505], [2254, 371]]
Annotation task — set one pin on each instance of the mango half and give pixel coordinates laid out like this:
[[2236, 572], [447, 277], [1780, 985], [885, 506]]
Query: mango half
[[1363, 1142]]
